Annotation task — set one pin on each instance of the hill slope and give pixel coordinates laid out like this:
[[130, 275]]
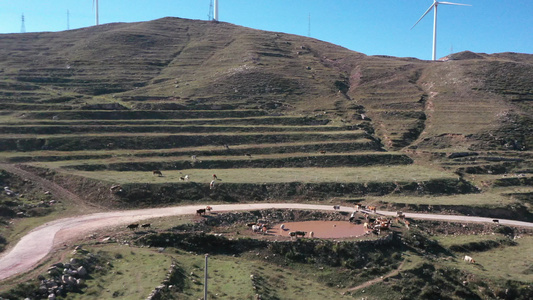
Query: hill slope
[[132, 97]]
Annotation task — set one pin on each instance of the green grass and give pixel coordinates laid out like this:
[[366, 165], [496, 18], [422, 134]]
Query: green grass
[[450, 240], [126, 159], [502, 263], [276, 175], [135, 272], [483, 199]]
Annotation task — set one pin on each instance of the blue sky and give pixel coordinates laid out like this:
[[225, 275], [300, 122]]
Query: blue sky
[[373, 27]]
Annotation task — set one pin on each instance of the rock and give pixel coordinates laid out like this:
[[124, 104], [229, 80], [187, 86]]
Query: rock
[[82, 272]]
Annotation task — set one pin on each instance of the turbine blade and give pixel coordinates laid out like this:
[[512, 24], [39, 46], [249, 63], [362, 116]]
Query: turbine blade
[[427, 11], [451, 3]]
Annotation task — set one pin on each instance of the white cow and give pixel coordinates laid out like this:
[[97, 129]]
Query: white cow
[[469, 259]]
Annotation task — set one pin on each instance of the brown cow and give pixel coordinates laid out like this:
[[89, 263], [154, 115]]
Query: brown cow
[[157, 172]]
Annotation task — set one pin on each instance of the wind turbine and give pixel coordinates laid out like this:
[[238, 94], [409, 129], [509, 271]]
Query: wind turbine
[[434, 6], [215, 14], [95, 8]]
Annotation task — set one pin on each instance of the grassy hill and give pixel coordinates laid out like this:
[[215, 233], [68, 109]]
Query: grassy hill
[[277, 117]]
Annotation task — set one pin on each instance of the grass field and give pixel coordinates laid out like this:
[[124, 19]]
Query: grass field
[[275, 175]]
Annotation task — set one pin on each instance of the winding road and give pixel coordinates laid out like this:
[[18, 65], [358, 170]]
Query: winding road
[[38, 243]]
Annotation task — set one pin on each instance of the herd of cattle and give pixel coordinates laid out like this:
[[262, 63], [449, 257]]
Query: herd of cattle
[[375, 225]]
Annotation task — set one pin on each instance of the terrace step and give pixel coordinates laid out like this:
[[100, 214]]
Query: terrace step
[[261, 120], [293, 160], [161, 141], [337, 146], [140, 114], [62, 129]]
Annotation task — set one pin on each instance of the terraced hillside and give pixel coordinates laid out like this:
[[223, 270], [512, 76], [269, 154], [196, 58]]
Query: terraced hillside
[[276, 117], [177, 111]]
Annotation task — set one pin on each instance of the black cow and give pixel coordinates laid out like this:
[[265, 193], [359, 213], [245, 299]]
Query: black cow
[[200, 211], [297, 233], [133, 226]]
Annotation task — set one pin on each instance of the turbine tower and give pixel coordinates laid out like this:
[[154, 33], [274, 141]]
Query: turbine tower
[[215, 14], [434, 7], [95, 8]]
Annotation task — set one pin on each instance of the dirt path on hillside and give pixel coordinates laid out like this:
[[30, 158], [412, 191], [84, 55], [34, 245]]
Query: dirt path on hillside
[[56, 190], [36, 245], [376, 280]]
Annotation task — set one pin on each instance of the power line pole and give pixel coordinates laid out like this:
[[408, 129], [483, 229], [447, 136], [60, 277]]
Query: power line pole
[[210, 13], [22, 27], [205, 277], [68, 20]]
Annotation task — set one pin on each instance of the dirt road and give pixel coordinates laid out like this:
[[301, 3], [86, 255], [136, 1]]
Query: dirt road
[[34, 246]]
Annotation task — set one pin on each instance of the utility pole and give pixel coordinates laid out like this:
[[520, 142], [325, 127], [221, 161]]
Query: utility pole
[[205, 277], [68, 20], [22, 27]]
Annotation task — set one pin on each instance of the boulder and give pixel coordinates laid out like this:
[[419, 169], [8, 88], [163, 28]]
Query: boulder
[[82, 272]]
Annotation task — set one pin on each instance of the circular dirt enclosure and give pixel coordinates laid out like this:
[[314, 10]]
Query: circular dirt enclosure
[[320, 229]]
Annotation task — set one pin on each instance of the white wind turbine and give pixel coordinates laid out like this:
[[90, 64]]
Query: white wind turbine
[[215, 15], [434, 6], [95, 8]]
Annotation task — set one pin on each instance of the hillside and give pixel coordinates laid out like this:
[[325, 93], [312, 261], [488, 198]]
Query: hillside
[[277, 117]]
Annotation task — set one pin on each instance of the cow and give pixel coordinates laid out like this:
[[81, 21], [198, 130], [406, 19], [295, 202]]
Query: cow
[[256, 228], [251, 224], [212, 184], [282, 227], [133, 226], [215, 177], [200, 211], [146, 225], [335, 207], [115, 189], [157, 172], [297, 233], [496, 221], [248, 155], [311, 234], [407, 223], [372, 208], [186, 177], [322, 152], [208, 208], [469, 259]]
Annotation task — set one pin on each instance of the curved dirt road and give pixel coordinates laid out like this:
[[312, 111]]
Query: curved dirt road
[[34, 246]]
